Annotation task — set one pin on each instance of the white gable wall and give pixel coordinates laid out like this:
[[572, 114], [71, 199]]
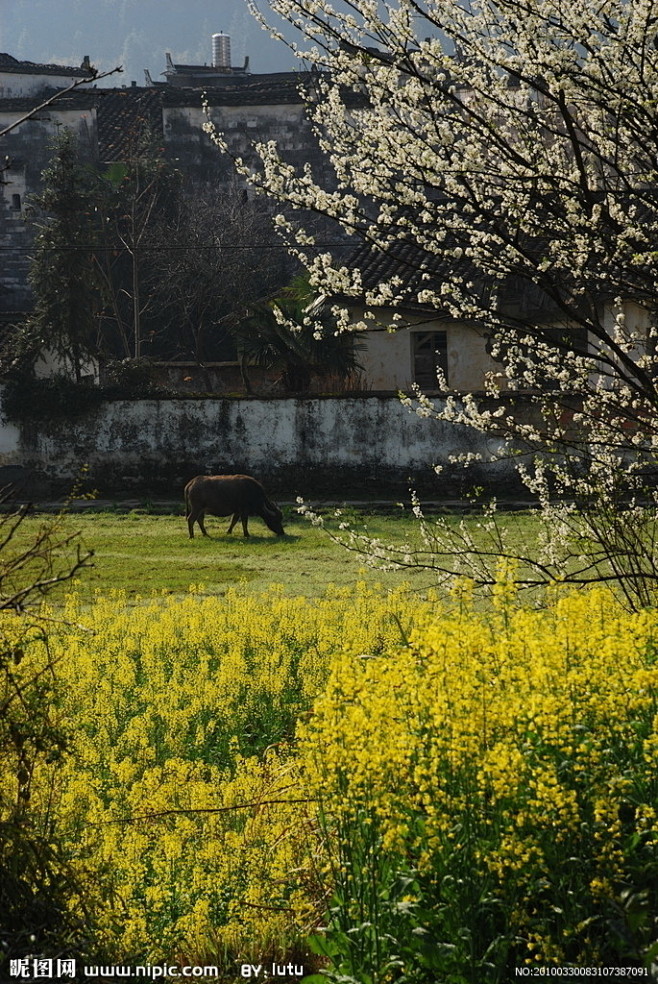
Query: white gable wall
[[19, 84]]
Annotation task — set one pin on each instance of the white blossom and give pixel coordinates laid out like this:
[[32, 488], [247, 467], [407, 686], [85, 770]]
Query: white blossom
[[518, 148]]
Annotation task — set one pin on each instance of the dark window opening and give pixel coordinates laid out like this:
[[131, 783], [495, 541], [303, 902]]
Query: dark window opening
[[430, 353], [16, 203]]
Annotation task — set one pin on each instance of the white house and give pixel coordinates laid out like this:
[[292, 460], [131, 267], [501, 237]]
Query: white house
[[25, 78], [410, 343]]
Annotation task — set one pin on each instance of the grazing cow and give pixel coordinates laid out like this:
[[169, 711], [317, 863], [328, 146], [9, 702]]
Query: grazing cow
[[239, 496]]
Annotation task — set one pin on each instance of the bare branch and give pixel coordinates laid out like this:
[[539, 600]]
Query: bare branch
[[58, 95]]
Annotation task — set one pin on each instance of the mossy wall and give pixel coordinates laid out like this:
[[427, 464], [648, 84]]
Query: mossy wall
[[333, 444]]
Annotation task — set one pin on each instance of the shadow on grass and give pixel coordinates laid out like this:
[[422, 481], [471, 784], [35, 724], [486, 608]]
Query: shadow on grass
[[255, 538]]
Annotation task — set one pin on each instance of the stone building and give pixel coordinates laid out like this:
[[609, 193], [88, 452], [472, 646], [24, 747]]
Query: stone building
[[246, 107], [26, 151]]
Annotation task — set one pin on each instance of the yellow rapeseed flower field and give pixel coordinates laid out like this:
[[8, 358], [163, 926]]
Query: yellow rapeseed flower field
[[448, 790], [505, 766], [180, 801]]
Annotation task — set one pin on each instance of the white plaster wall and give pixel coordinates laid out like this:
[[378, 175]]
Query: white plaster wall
[[14, 183], [237, 116], [32, 140], [388, 362], [167, 441], [638, 325], [14, 84], [253, 116], [240, 124], [10, 444], [468, 359], [387, 357], [51, 364]]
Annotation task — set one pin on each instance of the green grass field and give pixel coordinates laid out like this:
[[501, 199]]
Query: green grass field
[[142, 553]]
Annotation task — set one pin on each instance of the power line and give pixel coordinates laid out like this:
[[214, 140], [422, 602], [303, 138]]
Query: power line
[[167, 249]]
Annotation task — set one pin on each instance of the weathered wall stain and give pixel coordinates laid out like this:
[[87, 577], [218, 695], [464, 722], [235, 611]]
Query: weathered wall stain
[[158, 445]]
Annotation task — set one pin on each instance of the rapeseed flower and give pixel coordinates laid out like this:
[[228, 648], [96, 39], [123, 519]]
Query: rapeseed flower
[[236, 763]]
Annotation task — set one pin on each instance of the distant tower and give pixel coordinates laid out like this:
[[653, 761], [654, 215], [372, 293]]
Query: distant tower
[[221, 52]]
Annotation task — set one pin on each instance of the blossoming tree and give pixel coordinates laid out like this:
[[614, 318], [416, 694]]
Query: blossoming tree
[[506, 148]]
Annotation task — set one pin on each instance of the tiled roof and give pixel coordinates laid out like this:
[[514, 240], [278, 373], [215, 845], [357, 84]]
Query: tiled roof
[[10, 64], [195, 69], [189, 75], [416, 269], [243, 90], [122, 114], [406, 261], [80, 99]]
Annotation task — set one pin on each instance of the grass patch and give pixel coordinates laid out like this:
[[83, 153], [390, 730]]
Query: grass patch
[[144, 553]]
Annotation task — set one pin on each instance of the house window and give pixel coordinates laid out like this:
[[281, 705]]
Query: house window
[[16, 203], [430, 353]]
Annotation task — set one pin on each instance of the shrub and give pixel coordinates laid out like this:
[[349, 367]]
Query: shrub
[[37, 886], [53, 398], [131, 378]]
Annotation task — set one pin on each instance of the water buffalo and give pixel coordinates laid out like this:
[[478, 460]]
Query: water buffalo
[[239, 496]]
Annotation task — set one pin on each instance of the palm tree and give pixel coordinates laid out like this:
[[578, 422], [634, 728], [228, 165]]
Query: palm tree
[[281, 334]]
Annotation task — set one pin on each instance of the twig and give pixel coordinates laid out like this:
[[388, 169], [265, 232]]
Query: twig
[[207, 809], [58, 95]]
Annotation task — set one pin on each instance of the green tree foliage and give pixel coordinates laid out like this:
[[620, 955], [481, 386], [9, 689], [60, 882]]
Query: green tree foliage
[[36, 885], [293, 336], [218, 252], [63, 275], [135, 198], [180, 265]]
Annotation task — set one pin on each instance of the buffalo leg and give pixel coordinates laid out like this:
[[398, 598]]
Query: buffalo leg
[[196, 516], [236, 517]]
